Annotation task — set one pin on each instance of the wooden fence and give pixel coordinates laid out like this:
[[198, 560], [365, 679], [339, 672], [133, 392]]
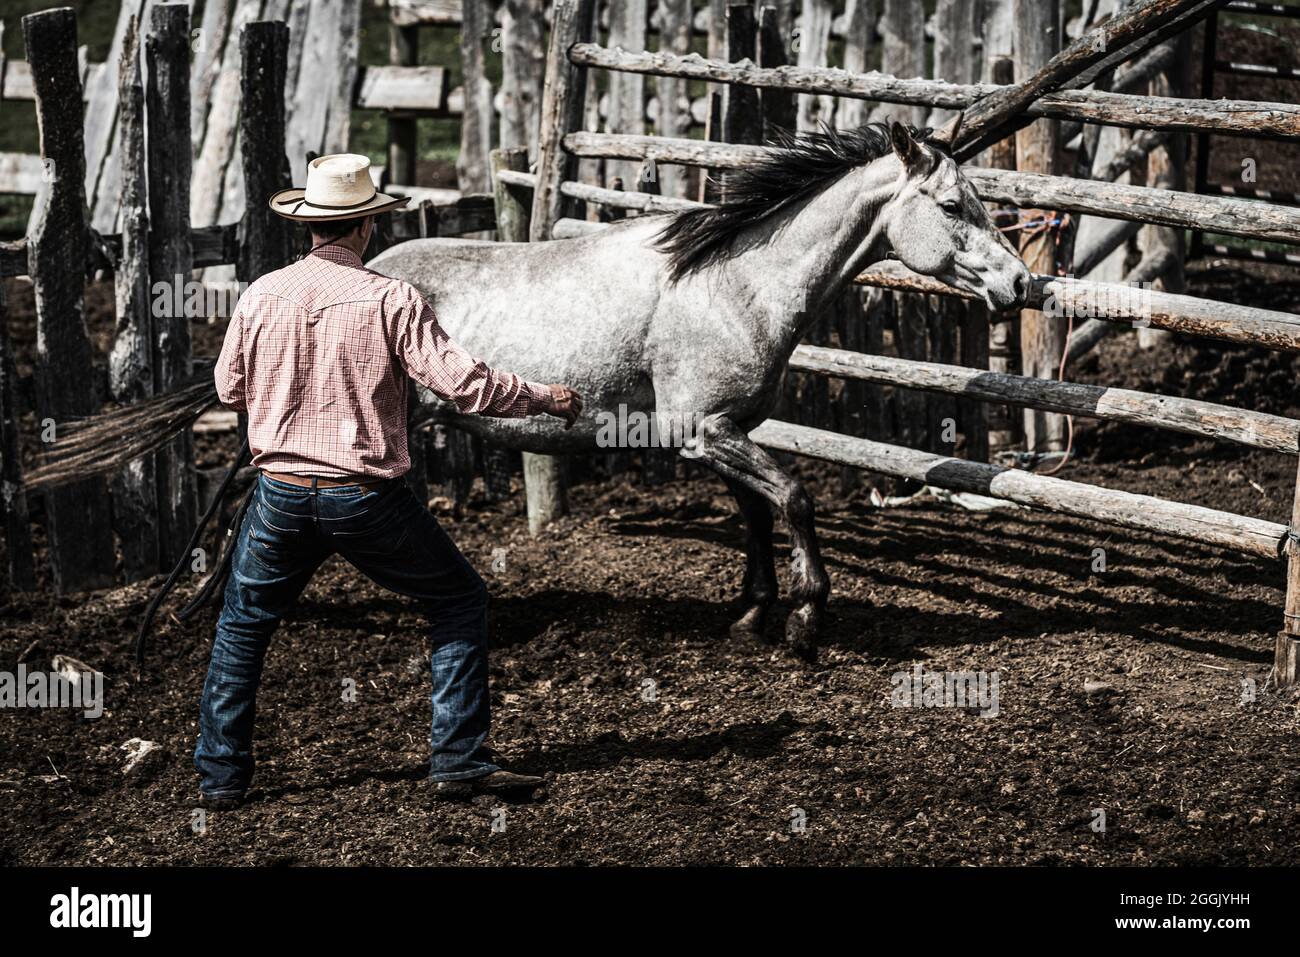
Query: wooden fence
[[561, 195]]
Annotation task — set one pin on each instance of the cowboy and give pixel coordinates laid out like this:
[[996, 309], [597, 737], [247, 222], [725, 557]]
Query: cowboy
[[317, 354]]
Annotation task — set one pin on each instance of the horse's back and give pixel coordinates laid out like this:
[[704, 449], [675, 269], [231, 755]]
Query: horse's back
[[573, 311]]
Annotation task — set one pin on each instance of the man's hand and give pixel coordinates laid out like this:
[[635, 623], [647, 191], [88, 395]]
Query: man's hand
[[564, 404]]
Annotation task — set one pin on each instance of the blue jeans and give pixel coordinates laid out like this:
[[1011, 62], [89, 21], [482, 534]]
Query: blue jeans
[[287, 532]]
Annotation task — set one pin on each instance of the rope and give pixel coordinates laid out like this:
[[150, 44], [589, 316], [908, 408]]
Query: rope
[[1056, 223]]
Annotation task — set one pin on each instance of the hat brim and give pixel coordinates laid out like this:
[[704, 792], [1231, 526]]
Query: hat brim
[[292, 204]]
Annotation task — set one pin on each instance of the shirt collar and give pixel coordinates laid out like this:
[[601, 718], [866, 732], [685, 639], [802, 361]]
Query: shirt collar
[[337, 254]]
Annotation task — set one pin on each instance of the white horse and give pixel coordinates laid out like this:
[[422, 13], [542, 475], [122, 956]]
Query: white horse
[[691, 318]]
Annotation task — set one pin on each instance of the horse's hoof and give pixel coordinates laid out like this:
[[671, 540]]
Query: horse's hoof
[[751, 624], [801, 630]]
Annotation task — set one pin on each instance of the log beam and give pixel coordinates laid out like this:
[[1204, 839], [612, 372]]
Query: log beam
[[1126, 509]]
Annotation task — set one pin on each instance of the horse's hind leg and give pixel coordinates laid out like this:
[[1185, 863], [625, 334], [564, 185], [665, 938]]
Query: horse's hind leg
[[725, 448], [759, 591]]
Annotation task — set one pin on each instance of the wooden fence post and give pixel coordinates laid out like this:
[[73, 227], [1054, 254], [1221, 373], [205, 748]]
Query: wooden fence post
[[477, 117], [265, 239], [1042, 337], [130, 362], [626, 112], [543, 481], [674, 114], [1286, 653], [742, 118], [815, 18], [562, 111], [523, 71], [778, 106], [954, 61], [78, 518], [13, 499], [167, 106], [403, 141], [902, 29], [1002, 421], [1167, 169]]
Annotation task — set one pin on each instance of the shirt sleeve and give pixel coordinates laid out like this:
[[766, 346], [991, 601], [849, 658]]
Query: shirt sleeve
[[229, 371], [430, 357]]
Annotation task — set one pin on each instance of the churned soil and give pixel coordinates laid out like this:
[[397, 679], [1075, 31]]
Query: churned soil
[[1138, 691]]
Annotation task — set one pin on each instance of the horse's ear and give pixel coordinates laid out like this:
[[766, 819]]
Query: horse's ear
[[906, 146]]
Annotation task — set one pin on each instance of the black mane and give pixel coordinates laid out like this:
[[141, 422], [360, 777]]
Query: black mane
[[798, 165]]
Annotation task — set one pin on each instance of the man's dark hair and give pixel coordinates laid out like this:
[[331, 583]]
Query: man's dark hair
[[333, 229]]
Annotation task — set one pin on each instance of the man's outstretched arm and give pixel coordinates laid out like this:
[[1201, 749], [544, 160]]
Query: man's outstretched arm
[[430, 357]]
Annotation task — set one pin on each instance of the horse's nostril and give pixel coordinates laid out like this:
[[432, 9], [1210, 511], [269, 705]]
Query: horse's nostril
[[1021, 288]]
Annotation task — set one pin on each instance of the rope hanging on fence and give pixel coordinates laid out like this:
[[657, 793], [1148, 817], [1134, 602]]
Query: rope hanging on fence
[[1056, 223]]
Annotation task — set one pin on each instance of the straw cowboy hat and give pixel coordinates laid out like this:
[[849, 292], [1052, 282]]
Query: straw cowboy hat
[[338, 187]]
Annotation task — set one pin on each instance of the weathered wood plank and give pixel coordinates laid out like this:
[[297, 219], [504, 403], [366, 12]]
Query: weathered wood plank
[[523, 73], [266, 240], [78, 517], [130, 361], [994, 116], [902, 53], [1237, 217], [673, 106], [562, 112], [21, 569], [403, 138], [1286, 650], [221, 125], [318, 102], [167, 99], [1125, 509], [472, 174], [21, 173], [207, 64], [859, 29], [1263, 120], [625, 112], [1192, 416], [1125, 304], [813, 50], [101, 123], [1042, 339], [416, 89]]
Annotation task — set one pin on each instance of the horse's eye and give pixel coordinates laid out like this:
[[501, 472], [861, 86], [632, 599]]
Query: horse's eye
[[951, 207]]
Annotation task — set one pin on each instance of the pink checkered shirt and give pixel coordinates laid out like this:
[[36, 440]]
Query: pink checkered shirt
[[315, 354]]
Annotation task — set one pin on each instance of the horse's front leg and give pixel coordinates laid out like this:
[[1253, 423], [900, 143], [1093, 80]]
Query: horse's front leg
[[759, 591], [722, 445]]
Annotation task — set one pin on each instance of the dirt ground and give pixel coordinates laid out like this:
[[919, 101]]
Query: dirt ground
[[666, 741]]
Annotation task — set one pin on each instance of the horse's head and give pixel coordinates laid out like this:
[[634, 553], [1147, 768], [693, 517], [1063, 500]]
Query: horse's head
[[938, 227]]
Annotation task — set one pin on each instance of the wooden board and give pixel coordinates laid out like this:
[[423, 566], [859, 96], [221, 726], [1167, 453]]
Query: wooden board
[[416, 89], [1126, 509]]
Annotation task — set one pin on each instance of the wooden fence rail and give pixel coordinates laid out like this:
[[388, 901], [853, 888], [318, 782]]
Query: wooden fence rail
[[1237, 217], [1280, 121], [1127, 509]]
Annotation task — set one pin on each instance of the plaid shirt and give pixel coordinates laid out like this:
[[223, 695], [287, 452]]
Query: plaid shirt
[[315, 354]]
